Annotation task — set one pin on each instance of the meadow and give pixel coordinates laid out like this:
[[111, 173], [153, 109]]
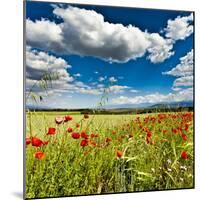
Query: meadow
[[73, 154]]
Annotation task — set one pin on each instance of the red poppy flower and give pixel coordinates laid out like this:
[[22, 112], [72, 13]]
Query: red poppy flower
[[174, 130], [36, 142], [184, 155], [186, 127], [108, 139], [84, 135], [69, 130], [84, 143], [39, 155], [94, 135], [93, 143], [149, 134], [68, 118], [51, 131], [59, 120], [119, 153], [28, 141], [164, 131], [113, 132], [86, 116], [184, 137], [76, 135], [148, 140], [45, 142], [77, 125], [146, 130]]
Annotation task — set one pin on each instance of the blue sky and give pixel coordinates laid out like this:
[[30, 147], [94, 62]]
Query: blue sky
[[138, 53]]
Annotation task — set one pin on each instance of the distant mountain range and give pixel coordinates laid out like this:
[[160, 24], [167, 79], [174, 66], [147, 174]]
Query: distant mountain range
[[173, 105], [33, 107], [123, 106], [159, 105]]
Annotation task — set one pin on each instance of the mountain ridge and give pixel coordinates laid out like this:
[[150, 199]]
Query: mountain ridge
[[123, 106]]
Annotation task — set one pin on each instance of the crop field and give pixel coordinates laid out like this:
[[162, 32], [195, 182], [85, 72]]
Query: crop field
[[73, 154]]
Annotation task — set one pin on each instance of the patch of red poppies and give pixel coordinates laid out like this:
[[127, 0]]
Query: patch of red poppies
[[94, 135], [84, 143], [51, 131], [84, 135], [119, 153], [67, 118], [69, 130], [184, 155], [36, 142], [28, 141], [76, 135], [59, 120], [39, 155]]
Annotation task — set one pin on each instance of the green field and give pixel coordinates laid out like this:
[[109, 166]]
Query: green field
[[121, 153]]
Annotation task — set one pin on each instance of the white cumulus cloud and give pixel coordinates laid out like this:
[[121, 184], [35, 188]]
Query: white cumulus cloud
[[117, 89], [112, 79], [160, 48], [183, 71], [183, 95], [183, 81], [102, 78], [85, 32], [77, 75], [184, 68], [180, 27], [44, 34], [39, 63], [182, 86]]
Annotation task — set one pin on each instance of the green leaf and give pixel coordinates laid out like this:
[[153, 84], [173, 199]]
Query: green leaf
[[131, 158], [170, 177], [144, 174]]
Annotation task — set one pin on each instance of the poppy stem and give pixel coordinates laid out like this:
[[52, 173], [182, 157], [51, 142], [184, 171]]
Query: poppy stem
[[30, 124]]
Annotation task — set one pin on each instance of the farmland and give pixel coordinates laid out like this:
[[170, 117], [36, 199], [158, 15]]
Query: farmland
[[74, 154]]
